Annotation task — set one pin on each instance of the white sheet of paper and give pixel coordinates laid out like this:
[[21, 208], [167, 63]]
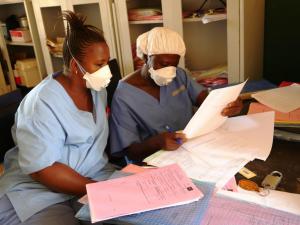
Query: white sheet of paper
[[208, 167], [249, 136], [218, 156], [283, 99], [208, 117], [288, 202]]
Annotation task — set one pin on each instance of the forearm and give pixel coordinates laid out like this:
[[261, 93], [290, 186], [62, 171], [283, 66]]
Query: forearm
[[201, 97], [61, 178], [139, 151]]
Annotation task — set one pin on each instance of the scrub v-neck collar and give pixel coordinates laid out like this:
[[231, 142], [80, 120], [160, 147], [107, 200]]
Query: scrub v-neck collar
[[162, 93]]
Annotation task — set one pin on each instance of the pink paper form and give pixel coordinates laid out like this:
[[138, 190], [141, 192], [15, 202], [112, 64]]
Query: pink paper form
[[153, 189]]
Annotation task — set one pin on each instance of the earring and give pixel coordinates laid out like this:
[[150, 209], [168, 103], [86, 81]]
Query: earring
[[76, 72]]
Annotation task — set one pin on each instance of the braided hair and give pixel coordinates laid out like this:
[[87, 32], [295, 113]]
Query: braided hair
[[79, 36]]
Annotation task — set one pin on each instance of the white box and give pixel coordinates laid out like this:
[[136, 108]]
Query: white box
[[20, 35]]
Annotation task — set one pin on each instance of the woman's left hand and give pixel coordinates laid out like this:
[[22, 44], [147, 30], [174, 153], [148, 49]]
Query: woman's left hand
[[233, 108]]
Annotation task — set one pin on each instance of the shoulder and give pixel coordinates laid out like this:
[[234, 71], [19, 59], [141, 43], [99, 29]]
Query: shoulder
[[121, 93], [42, 100], [181, 75], [133, 79]]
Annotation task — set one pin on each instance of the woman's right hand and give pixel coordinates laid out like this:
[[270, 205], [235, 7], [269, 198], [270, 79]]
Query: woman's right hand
[[170, 141]]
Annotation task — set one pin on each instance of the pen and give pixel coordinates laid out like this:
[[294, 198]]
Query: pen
[[178, 140]]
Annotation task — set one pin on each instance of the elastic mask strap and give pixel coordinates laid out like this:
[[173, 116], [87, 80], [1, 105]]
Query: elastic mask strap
[[78, 64]]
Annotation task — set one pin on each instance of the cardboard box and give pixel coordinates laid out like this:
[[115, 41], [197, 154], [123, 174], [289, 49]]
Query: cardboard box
[[27, 70]]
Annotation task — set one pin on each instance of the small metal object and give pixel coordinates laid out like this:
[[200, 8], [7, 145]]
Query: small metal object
[[272, 180]]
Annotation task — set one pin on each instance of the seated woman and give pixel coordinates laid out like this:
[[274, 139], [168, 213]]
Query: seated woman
[[155, 100], [60, 133]]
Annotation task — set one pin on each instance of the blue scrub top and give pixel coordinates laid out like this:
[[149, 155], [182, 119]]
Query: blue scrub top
[[136, 115], [50, 128]]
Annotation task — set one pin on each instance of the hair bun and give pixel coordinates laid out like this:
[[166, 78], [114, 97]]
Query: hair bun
[[75, 21]]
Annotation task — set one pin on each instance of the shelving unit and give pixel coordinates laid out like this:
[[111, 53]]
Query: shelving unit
[[129, 30], [236, 42], [50, 25], [99, 14], [208, 45], [11, 51]]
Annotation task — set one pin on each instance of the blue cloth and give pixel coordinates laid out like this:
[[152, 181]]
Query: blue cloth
[[136, 115], [50, 128]]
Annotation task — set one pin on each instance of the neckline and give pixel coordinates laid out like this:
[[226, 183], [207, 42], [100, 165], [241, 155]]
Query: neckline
[[162, 91], [71, 102]]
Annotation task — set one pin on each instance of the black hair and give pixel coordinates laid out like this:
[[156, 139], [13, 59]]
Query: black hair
[[78, 36]]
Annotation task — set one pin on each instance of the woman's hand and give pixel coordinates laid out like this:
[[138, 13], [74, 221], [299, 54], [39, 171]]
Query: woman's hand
[[170, 141], [233, 108]]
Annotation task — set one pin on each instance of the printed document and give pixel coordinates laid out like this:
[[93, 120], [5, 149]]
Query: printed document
[[219, 155], [208, 117], [152, 189]]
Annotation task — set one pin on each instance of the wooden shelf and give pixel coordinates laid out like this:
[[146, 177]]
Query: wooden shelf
[[146, 22], [19, 43], [199, 19], [5, 2], [193, 19]]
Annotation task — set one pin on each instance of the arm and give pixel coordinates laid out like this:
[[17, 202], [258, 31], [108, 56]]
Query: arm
[[201, 97], [61, 178], [166, 141]]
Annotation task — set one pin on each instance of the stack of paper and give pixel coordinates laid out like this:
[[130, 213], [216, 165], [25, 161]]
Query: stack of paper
[[219, 155], [187, 214], [220, 146], [281, 119], [153, 189]]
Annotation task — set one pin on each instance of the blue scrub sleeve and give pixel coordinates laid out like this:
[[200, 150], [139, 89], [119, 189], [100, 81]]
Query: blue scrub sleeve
[[40, 142], [193, 88], [123, 128]]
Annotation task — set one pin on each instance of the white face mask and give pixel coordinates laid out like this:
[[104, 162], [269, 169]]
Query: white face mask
[[163, 76], [97, 80]]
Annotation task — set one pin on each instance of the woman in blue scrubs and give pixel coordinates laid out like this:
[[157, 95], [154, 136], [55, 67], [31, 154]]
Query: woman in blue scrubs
[[152, 103], [60, 132]]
